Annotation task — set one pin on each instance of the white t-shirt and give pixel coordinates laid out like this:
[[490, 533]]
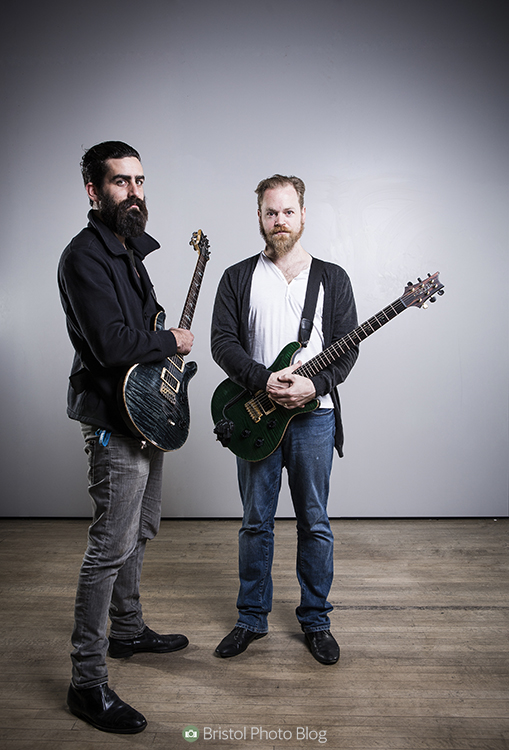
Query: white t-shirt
[[275, 313]]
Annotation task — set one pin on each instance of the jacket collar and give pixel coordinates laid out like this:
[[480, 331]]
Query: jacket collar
[[142, 245]]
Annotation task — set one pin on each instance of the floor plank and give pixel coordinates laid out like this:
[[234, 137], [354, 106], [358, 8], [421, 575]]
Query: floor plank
[[421, 613]]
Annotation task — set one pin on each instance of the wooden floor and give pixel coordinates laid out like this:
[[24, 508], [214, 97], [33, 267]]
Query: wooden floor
[[421, 613]]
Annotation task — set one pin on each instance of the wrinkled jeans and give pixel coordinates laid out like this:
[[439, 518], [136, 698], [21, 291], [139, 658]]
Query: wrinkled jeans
[[125, 482], [306, 451]]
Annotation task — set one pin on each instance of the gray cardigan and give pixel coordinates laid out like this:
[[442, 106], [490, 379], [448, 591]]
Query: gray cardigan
[[230, 335]]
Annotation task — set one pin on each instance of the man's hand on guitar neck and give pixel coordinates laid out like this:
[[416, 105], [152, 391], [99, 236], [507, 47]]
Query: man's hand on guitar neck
[[290, 390], [184, 339]]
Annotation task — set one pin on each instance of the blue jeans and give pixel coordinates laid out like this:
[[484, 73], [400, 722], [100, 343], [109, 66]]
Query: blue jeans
[[125, 482], [306, 451]]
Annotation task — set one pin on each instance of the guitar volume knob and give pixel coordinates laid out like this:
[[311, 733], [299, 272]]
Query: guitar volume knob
[[259, 442]]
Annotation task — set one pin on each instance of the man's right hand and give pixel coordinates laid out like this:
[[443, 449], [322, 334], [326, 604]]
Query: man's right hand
[[184, 339]]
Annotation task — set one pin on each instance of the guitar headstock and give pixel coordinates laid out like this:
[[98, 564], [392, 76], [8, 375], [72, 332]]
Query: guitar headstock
[[201, 244], [417, 295]]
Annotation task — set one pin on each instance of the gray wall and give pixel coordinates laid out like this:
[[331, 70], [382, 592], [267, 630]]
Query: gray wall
[[395, 114]]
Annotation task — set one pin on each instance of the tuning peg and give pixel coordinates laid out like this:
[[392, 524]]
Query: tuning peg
[[432, 299], [419, 280], [440, 292]]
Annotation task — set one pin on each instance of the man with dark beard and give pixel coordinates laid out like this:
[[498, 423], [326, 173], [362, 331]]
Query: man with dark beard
[[258, 310], [110, 306]]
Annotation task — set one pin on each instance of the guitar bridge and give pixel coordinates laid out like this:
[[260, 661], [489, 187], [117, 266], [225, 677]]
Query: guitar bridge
[[168, 394], [252, 409], [259, 407]]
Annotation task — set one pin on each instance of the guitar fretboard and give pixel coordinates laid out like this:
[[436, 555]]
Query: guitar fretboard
[[192, 295], [352, 339]]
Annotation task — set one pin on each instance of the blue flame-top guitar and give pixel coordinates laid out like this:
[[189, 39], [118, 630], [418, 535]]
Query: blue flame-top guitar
[[153, 397]]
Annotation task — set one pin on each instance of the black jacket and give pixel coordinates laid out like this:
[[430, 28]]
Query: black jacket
[[110, 309], [230, 332]]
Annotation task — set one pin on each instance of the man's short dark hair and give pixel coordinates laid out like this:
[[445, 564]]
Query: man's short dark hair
[[93, 164], [279, 180]]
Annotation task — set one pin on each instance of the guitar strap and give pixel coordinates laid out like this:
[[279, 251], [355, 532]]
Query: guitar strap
[[308, 312]]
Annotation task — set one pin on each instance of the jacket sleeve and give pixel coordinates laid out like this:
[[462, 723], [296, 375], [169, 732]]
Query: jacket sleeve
[[228, 338], [340, 318], [96, 319]]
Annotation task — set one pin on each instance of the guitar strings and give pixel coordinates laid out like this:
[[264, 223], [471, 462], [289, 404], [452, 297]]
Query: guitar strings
[[355, 337]]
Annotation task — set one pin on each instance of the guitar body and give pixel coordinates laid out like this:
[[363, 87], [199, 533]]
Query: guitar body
[[156, 403], [153, 397], [259, 424]]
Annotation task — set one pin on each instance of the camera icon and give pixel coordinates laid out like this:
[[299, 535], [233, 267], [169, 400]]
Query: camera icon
[[191, 733]]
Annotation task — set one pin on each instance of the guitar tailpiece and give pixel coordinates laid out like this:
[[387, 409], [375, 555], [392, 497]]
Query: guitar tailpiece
[[224, 431]]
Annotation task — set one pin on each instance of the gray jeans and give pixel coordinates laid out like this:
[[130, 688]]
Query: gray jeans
[[125, 482]]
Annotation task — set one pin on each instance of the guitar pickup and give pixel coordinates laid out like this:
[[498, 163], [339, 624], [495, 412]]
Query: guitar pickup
[[269, 406], [170, 382], [178, 362]]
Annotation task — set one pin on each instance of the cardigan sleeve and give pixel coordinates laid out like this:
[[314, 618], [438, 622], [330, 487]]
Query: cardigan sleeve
[[229, 335]]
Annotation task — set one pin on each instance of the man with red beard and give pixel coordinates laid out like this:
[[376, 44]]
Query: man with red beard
[[258, 310], [110, 306]]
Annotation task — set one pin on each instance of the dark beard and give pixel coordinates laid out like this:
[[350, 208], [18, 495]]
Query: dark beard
[[120, 219], [282, 244]]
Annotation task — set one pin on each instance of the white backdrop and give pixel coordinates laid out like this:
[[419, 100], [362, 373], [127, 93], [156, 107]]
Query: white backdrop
[[394, 112]]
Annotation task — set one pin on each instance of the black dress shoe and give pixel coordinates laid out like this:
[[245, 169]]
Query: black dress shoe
[[148, 641], [236, 642], [323, 646], [102, 708]]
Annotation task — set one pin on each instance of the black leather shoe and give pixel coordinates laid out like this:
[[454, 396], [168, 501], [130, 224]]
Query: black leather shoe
[[148, 641], [236, 642], [323, 646], [102, 708]]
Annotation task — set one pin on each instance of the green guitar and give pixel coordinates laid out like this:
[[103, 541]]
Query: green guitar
[[252, 425]]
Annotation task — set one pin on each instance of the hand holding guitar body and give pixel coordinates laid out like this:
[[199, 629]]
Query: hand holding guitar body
[[290, 390]]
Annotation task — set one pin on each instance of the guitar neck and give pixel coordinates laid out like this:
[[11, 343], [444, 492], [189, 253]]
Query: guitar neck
[[352, 339], [192, 295]]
